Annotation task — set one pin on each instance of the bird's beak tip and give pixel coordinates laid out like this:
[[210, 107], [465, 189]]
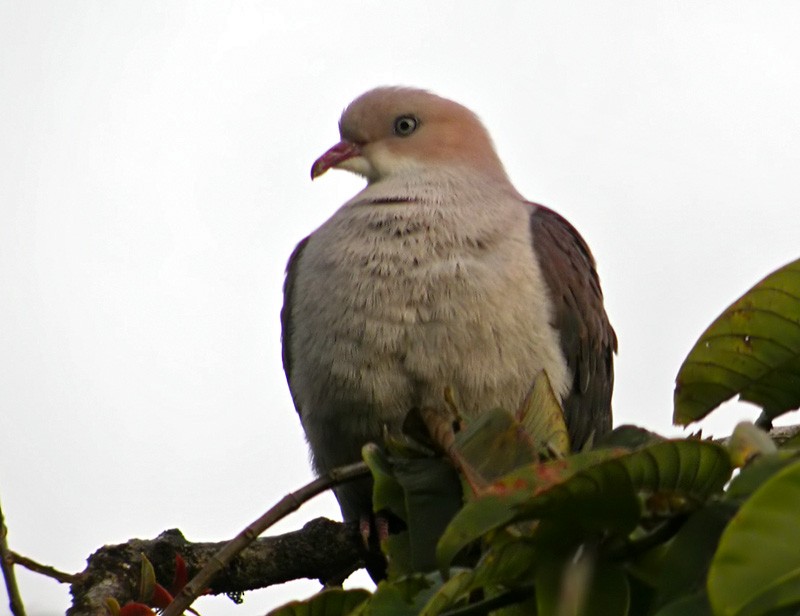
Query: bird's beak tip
[[333, 157], [317, 169]]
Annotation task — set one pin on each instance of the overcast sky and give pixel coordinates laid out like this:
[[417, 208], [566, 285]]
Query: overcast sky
[[154, 178]]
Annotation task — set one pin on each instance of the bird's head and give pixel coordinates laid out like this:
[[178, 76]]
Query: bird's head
[[391, 131]]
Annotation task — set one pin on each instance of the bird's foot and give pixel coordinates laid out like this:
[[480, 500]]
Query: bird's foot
[[366, 524]]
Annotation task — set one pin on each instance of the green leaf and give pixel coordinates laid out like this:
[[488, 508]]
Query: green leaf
[[684, 567], [606, 496], [752, 349], [695, 604], [113, 606], [496, 442], [757, 565], [510, 560], [508, 565], [147, 579], [425, 493], [433, 496], [451, 593], [387, 493], [595, 491], [543, 418], [600, 498], [497, 507], [405, 596], [493, 444], [330, 602], [628, 437], [473, 521]]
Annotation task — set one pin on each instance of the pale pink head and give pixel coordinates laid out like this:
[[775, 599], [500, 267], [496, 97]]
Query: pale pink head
[[389, 131]]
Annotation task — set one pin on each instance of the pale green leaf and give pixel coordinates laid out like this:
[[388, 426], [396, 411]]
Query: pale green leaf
[[757, 565]]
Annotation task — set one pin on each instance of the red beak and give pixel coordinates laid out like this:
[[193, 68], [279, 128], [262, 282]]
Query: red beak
[[337, 154]]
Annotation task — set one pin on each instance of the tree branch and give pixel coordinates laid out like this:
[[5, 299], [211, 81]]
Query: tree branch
[[7, 565], [324, 550]]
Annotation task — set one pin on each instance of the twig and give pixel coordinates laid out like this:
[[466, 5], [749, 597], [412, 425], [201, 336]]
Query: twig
[[289, 503], [46, 570], [7, 565]]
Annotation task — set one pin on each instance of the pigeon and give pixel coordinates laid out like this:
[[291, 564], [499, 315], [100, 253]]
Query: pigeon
[[437, 275]]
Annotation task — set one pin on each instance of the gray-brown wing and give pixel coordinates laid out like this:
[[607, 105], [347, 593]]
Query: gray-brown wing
[[587, 338], [286, 311]]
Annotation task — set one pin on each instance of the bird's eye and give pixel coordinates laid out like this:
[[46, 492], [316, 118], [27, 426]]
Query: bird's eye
[[405, 125]]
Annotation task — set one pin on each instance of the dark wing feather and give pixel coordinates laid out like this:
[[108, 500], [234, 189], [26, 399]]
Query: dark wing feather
[[587, 338], [286, 310]]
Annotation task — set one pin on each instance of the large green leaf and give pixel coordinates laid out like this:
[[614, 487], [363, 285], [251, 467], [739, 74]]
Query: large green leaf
[[757, 566], [606, 496], [601, 490], [402, 597], [496, 507], [330, 602], [752, 349], [627, 436], [684, 567]]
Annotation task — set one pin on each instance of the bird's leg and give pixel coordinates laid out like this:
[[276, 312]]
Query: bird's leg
[[366, 524], [365, 528], [382, 527], [374, 558]]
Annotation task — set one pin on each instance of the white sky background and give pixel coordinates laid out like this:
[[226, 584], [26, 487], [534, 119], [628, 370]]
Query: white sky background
[[154, 178]]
